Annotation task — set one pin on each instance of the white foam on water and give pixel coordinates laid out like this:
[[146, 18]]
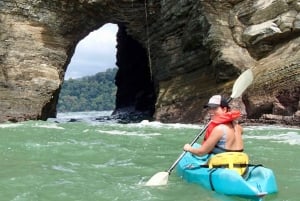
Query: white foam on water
[[38, 124], [127, 133], [63, 169], [157, 124], [88, 116], [33, 145], [83, 114], [114, 163], [268, 127], [50, 126], [10, 125], [292, 138]]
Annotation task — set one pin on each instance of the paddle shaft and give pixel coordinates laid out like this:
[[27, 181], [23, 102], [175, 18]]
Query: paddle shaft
[[184, 152]]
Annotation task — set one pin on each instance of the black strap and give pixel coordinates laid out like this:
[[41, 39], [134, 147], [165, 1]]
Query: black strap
[[217, 150], [210, 179], [243, 165], [255, 166], [221, 166]]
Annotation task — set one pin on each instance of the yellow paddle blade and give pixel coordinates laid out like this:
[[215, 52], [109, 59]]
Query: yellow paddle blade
[[159, 179]]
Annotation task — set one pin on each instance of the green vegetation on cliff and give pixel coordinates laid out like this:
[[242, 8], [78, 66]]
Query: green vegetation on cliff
[[91, 93]]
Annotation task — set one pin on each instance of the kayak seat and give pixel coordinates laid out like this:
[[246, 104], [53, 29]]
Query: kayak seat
[[237, 161]]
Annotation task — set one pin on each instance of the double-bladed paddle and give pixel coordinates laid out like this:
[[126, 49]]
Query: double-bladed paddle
[[240, 85]]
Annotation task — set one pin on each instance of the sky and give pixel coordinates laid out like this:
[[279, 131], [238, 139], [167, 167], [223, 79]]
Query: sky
[[95, 53]]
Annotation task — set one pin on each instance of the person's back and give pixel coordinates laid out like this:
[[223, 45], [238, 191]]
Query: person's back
[[229, 138]]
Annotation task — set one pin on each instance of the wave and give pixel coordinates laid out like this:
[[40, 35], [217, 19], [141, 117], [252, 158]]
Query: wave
[[10, 125], [47, 125], [292, 138], [157, 124], [127, 133]]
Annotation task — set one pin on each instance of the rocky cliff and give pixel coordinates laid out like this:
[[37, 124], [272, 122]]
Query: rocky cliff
[[172, 55]]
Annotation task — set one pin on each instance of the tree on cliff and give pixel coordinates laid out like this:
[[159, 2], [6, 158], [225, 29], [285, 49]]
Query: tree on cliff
[[91, 93]]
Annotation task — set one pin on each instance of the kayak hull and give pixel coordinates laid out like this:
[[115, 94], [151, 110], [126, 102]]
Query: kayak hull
[[256, 182]]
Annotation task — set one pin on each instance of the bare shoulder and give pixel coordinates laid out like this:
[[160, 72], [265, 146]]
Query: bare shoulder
[[219, 129], [216, 135], [238, 127]]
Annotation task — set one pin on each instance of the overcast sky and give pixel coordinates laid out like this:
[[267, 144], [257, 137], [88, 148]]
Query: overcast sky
[[95, 53]]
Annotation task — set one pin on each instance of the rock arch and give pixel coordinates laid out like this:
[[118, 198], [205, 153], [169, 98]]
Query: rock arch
[[197, 49], [40, 39]]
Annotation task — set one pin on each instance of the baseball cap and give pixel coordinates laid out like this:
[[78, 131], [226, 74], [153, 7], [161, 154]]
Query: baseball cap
[[216, 101]]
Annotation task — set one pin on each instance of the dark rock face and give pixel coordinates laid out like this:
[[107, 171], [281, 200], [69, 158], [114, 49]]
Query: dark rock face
[[136, 92], [172, 55]]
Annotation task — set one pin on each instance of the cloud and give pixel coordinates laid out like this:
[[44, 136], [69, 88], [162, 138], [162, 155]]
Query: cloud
[[95, 53]]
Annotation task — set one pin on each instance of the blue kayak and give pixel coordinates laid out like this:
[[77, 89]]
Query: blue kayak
[[256, 182]]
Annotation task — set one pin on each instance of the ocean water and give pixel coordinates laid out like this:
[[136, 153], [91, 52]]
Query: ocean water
[[58, 160]]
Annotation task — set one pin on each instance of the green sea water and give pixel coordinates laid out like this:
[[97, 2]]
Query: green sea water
[[91, 161]]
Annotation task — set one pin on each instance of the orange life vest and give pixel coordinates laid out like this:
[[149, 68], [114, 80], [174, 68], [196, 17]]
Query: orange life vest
[[221, 119]]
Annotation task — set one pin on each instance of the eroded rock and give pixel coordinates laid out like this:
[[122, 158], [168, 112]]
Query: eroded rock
[[193, 49]]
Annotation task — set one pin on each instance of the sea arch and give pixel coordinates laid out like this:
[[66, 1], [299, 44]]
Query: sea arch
[[42, 40]]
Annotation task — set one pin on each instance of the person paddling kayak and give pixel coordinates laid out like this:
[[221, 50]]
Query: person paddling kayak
[[223, 134]]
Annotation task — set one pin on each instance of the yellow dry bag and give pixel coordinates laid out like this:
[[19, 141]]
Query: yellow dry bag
[[237, 161]]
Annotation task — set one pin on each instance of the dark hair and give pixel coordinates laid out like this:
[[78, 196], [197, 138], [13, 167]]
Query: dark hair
[[224, 103]]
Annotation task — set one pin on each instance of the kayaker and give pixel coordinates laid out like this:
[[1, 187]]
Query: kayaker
[[223, 134]]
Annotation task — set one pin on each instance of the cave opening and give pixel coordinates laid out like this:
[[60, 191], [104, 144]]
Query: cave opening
[[135, 94], [89, 77], [94, 53], [135, 86]]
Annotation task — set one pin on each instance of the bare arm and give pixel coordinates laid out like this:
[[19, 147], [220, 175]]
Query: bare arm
[[209, 144]]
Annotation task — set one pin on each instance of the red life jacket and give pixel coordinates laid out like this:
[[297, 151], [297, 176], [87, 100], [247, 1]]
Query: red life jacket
[[221, 119]]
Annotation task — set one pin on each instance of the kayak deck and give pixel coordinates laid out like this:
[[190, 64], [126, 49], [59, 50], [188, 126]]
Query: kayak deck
[[256, 182]]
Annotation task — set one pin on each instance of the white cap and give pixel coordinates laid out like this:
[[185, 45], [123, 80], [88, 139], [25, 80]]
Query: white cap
[[216, 101]]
